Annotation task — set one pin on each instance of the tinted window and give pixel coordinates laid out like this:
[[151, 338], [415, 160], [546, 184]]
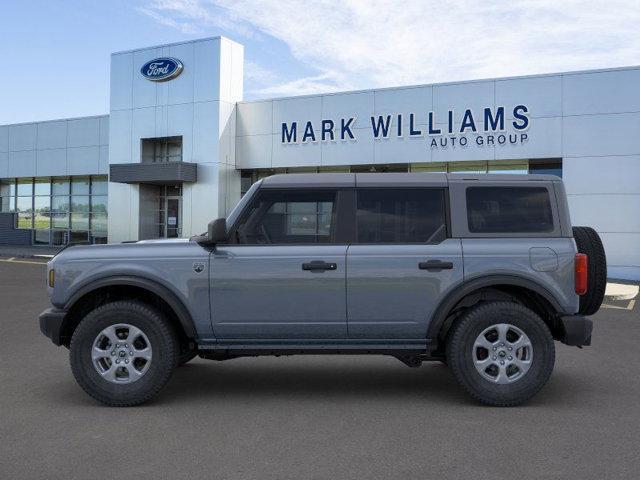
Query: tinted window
[[401, 216], [277, 217], [509, 209]]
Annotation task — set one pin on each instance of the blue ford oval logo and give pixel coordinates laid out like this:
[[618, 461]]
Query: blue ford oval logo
[[162, 69]]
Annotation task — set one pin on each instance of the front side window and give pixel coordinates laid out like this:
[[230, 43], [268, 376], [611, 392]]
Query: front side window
[[509, 210], [401, 216], [295, 217]]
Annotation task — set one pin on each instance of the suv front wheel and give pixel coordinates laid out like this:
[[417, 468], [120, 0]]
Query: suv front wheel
[[123, 353], [501, 352]]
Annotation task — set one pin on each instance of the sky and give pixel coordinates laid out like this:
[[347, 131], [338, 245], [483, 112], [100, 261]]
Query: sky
[[55, 53]]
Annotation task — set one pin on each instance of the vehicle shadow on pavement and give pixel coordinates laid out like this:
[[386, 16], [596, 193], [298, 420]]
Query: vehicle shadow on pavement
[[340, 379], [253, 381], [432, 382]]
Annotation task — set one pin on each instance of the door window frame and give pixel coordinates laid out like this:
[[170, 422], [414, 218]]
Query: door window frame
[[446, 207], [345, 218], [343, 214]]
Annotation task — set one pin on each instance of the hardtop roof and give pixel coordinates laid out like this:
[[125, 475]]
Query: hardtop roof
[[416, 179]]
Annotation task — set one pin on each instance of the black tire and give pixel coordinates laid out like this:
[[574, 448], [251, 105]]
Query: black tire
[[460, 351], [186, 355], [588, 242], [163, 342]]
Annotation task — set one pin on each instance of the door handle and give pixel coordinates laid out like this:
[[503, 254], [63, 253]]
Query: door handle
[[319, 266], [435, 265]]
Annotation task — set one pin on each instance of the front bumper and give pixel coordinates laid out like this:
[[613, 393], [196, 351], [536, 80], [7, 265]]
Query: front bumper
[[576, 330], [51, 321]]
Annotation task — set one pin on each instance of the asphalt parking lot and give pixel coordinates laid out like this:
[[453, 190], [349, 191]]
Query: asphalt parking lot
[[315, 417]]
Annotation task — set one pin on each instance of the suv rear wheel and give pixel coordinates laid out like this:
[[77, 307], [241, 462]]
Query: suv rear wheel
[[502, 353], [123, 353]]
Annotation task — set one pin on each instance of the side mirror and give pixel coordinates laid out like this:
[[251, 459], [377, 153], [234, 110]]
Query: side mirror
[[217, 231]]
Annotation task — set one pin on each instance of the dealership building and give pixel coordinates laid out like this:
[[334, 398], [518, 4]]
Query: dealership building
[[179, 146]]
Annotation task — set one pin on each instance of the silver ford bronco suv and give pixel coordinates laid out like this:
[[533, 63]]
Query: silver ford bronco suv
[[480, 272]]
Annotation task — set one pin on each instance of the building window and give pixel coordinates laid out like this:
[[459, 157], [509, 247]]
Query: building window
[[511, 167], [59, 209], [161, 150], [24, 203], [8, 195], [550, 166], [98, 213]]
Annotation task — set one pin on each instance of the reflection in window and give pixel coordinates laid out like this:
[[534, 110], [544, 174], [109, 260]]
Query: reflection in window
[[547, 167], [60, 186], [42, 212], [80, 203], [80, 186], [25, 188], [42, 187], [521, 168], [401, 216], [289, 217], [509, 210], [24, 207], [7, 195], [58, 209]]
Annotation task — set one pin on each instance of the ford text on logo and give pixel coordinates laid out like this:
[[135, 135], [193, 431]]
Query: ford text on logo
[[488, 127], [162, 69]]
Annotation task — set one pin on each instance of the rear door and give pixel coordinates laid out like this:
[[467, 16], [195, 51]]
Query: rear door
[[402, 262]]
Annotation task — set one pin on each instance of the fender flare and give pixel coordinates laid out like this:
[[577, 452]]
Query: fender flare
[[178, 307], [464, 289]]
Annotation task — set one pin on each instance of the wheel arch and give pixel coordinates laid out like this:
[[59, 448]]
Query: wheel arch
[[529, 292], [101, 291]]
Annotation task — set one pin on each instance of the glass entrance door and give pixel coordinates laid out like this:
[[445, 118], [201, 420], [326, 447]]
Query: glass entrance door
[[173, 223]]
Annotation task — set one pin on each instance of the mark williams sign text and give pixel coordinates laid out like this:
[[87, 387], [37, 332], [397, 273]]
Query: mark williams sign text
[[488, 127]]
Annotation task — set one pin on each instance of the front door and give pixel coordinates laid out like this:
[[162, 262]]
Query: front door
[[173, 221], [282, 276], [401, 263]]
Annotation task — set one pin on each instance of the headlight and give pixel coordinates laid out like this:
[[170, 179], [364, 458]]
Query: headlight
[[52, 277]]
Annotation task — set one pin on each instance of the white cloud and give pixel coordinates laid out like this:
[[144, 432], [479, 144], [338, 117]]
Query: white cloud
[[374, 43]]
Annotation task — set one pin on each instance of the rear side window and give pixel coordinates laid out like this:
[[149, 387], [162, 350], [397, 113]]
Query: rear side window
[[401, 216], [509, 210]]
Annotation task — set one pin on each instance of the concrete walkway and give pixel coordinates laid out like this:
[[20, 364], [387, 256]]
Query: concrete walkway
[[620, 291]]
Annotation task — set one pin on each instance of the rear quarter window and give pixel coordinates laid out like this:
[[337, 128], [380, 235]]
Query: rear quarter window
[[509, 210]]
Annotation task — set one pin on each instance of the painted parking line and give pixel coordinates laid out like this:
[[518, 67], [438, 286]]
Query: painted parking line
[[628, 306]]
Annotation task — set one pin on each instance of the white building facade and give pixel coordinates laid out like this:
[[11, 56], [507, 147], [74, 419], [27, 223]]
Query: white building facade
[[179, 146]]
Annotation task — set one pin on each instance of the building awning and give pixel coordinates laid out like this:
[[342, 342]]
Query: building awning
[[154, 173]]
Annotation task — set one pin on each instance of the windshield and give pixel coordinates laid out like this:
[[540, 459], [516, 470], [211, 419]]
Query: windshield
[[233, 216]]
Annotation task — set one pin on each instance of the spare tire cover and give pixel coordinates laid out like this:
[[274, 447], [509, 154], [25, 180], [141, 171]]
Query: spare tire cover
[[588, 242]]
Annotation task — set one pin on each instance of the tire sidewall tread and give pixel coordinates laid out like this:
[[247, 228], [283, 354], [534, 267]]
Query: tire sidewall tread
[[163, 343], [460, 350], [588, 242]]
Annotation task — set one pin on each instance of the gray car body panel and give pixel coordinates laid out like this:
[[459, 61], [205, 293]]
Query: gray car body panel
[[389, 296], [167, 263], [261, 291], [247, 294]]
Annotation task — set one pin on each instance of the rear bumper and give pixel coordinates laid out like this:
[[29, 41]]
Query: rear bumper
[[51, 321], [577, 330]]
